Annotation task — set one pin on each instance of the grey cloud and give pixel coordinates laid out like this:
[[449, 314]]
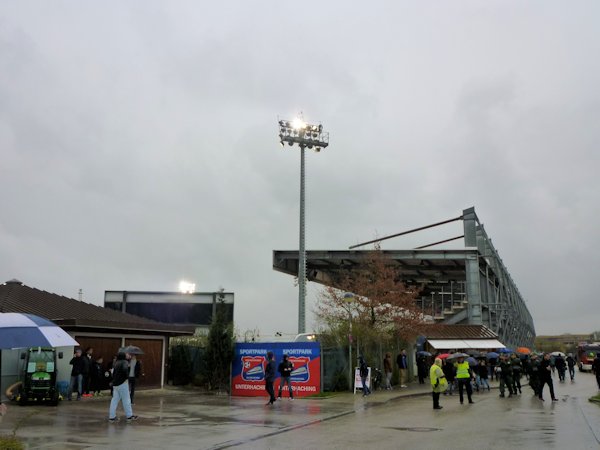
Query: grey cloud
[[139, 143]]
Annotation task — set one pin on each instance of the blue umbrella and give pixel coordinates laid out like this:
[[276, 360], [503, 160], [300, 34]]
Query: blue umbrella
[[423, 353], [492, 355], [505, 350], [26, 330], [472, 361]]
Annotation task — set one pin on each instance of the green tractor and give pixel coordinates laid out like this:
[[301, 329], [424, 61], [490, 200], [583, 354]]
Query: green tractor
[[39, 376]]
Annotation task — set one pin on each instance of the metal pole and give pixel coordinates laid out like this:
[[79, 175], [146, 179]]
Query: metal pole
[[304, 135], [348, 298], [302, 256], [350, 377]]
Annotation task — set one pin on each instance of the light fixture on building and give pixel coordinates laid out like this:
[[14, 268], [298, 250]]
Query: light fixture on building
[[187, 288]]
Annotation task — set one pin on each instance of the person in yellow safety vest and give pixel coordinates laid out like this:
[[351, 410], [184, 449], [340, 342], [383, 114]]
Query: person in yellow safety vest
[[439, 383], [464, 375]]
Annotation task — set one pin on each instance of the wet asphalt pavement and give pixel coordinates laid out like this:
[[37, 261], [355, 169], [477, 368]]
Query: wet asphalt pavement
[[387, 419]]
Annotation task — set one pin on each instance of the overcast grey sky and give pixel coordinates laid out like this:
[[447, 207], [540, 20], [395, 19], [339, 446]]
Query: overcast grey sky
[[139, 142]]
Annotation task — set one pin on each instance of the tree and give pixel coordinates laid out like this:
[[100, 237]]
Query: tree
[[219, 349], [180, 366], [381, 308]]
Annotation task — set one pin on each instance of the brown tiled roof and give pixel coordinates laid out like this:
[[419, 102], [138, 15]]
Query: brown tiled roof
[[71, 313], [460, 332]]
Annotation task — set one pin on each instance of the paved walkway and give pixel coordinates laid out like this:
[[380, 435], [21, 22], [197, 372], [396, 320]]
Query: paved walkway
[[178, 418]]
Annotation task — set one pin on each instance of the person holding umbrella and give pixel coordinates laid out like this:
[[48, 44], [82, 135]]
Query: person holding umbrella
[[421, 368], [483, 373], [438, 382], [464, 376], [450, 373], [135, 370], [492, 359], [121, 390]]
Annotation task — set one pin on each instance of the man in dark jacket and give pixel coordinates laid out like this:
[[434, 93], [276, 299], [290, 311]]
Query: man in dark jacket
[[506, 381], [534, 374], [516, 366], [546, 377], [561, 367], [571, 365], [422, 368], [76, 374], [87, 371], [285, 370], [270, 378], [97, 376], [402, 362], [363, 369], [121, 390], [450, 373], [135, 370]]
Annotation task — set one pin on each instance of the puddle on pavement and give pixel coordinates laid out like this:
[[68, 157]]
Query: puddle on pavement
[[415, 429], [200, 419]]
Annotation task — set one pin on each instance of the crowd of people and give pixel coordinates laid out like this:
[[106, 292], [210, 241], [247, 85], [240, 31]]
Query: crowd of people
[[508, 369], [448, 373], [468, 373]]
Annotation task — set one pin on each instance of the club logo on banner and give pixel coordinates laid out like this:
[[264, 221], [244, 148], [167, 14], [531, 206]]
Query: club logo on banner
[[250, 361], [301, 372], [253, 368]]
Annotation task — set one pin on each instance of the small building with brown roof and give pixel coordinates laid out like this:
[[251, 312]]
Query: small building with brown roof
[[105, 330]]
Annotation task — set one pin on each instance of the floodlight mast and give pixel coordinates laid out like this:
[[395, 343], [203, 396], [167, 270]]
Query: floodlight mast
[[305, 136]]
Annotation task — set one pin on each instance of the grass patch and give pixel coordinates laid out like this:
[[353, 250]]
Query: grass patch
[[8, 442], [595, 399]]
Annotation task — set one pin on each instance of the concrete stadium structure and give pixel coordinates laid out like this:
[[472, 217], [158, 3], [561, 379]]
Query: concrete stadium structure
[[470, 285]]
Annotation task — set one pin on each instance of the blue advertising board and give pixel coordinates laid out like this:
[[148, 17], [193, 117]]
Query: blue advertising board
[[248, 371]]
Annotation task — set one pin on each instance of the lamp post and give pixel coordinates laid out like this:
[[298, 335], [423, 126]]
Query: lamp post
[[312, 137], [349, 298]]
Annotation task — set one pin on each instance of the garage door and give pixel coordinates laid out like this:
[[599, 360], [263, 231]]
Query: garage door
[[104, 347], [151, 361]]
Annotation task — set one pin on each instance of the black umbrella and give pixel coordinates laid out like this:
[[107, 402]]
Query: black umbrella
[[132, 350]]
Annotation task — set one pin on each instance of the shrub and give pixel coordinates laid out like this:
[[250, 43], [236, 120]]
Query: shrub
[[181, 365], [10, 442]]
